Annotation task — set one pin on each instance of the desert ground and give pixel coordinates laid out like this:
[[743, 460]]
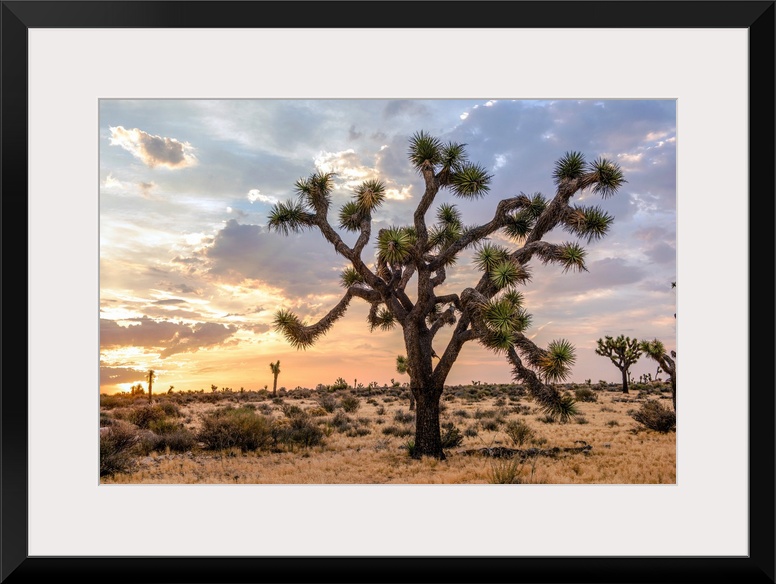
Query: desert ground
[[492, 433]]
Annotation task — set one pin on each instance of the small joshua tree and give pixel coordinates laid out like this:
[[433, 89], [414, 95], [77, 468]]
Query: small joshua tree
[[275, 368], [622, 351], [492, 310]]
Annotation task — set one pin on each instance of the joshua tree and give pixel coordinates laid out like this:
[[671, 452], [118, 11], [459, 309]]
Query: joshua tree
[[490, 312], [623, 352], [275, 368], [401, 367], [655, 350], [150, 376]]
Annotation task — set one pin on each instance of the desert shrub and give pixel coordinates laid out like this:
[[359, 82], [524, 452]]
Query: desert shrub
[[111, 401], [451, 435], [169, 409], [292, 411], [461, 413], [380, 410], [316, 412], [518, 432], [116, 448], [400, 431], [350, 403], [612, 423], [585, 394], [106, 420], [490, 425], [409, 446], [655, 416], [547, 419], [164, 426], [143, 416], [180, 440], [235, 427], [356, 431], [342, 422], [581, 420], [327, 402], [471, 432], [297, 431], [403, 417]]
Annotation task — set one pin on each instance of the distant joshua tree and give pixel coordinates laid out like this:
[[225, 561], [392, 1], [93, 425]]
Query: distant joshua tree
[[623, 352], [275, 368], [150, 376], [490, 310]]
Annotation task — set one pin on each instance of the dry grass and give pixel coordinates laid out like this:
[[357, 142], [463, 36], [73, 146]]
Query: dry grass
[[357, 450]]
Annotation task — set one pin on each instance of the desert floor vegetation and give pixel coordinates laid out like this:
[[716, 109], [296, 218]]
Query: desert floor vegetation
[[492, 434]]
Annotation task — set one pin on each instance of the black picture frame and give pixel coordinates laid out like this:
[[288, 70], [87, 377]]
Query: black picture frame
[[755, 16]]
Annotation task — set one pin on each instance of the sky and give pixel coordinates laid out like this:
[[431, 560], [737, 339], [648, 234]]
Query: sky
[[190, 276]]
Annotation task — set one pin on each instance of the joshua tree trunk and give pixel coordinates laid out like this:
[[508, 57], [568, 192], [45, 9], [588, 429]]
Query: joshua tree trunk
[[275, 386], [625, 381], [428, 440]]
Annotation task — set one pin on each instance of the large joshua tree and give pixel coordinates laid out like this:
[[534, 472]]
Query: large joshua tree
[[491, 311]]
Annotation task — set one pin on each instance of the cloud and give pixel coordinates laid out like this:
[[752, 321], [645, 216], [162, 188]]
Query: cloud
[[153, 150], [116, 375], [301, 264], [166, 336], [254, 195]]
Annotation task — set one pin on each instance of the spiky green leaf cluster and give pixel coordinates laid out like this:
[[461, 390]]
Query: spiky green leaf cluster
[[608, 177], [448, 214], [370, 195], [394, 244], [453, 155], [508, 273], [591, 223], [314, 192], [351, 215], [654, 348], [289, 325], [518, 225], [381, 318], [557, 360], [503, 315], [489, 255], [425, 151], [572, 257], [470, 181], [287, 217], [350, 276], [562, 409], [570, 166]]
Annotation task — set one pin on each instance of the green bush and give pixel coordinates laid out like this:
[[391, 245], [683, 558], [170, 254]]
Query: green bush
[[235, 427], [655, 416]]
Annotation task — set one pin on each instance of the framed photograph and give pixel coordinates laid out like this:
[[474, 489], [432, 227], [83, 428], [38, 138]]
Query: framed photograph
[[125, 123]]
